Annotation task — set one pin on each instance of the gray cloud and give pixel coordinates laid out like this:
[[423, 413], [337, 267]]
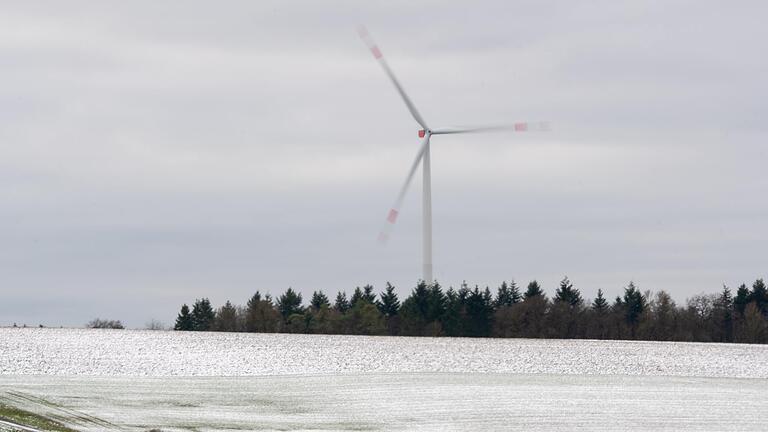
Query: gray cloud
[[152, 153]]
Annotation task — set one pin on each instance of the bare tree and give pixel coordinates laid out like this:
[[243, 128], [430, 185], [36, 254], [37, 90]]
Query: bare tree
[[105, 324]]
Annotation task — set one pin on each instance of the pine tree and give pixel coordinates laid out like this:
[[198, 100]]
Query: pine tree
[[463, 292], [254, 300], [184, 320], [634, 305], [319, 299], [723, 314], [435, 303], [202, 315], [488, 298], [567, 294], [226, 318], [453, 318], [741, 300], [507, 295], [759, 296], [534, 289], [414, 312], [357, 295], [600, 304], [420, 295], [341, 304], [260, 314], [289, 303], [479, 313], [599, 316], [368, 294], [388, 303]]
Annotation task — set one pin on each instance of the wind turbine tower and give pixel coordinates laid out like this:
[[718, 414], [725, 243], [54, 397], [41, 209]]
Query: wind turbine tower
[[423, 158]]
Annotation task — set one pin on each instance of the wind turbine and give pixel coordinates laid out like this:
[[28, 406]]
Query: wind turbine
[[423, 158]]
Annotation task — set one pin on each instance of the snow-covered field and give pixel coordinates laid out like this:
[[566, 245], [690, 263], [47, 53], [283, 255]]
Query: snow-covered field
[[152, 353], [137, 380]]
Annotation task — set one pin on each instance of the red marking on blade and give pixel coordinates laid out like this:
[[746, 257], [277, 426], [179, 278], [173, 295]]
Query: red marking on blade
[[521, 127], [392, 216], [422, 133], [376, 52]]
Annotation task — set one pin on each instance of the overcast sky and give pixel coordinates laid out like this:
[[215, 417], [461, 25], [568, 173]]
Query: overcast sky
[[155, 152]]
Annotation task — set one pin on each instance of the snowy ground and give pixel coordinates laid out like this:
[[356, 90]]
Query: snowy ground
[[153, 353], [133, 380]]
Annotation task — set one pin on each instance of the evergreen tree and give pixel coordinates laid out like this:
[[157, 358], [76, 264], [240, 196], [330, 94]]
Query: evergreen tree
[[365, 294], [741, 300], [226, 318], [319, 299], [479, 307], [368, 294], [202, 315], [463, 292], [184, 320], [507, 295], [598, 324], [726, 299], [260, 314], [600, 304], [341, 304], [357, 295], [565, 311], [634, 306], [723, 315], [289, 303], [759, 296], [414, 312], [453, 317], [567, 294], [389, 304], [420, 295], [488, 297], [534, 289], [429, 311], [254, 300], [435, 303], [617, 320]]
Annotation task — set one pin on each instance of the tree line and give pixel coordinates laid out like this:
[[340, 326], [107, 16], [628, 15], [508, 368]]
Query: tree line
[[430, 310]]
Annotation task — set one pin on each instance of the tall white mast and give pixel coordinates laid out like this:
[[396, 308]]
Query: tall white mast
[[426, 203]]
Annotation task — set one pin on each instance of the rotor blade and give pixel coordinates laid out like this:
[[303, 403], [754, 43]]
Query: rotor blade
[[514, 127], [377, 54], [395, 210]]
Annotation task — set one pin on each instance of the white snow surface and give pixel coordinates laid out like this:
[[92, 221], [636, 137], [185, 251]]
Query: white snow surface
[[395, 402], [162, 354], [134, 381]]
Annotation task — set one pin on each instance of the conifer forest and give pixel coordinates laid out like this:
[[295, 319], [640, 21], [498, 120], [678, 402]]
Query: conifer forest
[[506, 312]]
